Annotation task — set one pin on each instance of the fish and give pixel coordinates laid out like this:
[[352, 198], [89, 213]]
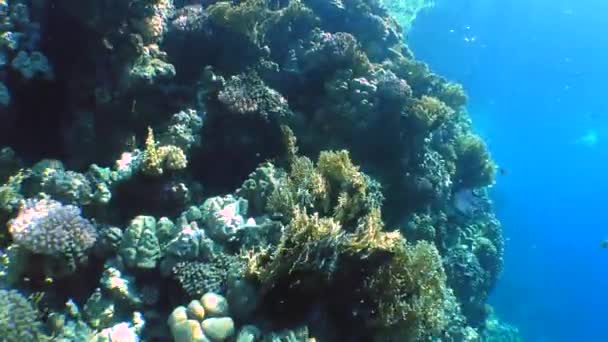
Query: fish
[[604, 244], [589, 139]]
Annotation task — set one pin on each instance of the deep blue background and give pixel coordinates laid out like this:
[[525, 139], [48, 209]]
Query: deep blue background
[[536, 72]]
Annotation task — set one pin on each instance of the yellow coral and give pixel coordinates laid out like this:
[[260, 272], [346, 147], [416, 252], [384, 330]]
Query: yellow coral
[[157, 158], [174, 157], [338, 169], [152, 160], [369, 236], [301, 247], [290, 142], [255, 261], [453, 95], [406, 291], [474, 165], [345, 182], [410, 292], [430, 112], [335, 186], [9, 191], [153, 27]]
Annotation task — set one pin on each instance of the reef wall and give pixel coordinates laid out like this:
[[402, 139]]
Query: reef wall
[[242, 157]]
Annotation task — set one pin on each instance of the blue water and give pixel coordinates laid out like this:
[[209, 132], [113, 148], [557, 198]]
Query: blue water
[[536, 75]]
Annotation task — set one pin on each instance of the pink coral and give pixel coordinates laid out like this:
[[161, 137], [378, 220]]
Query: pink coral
[[126, 158]]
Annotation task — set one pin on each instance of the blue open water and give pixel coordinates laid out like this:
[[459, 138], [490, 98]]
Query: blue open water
[[536, 73]]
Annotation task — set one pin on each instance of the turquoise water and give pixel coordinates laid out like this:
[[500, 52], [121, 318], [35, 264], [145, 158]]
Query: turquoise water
[[536, 76]]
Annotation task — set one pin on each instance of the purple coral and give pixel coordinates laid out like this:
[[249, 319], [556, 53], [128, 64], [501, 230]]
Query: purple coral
[[45, 226]]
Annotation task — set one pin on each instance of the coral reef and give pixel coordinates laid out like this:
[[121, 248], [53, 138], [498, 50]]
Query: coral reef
[[405, 11], [196, 277], [202, 320], [157, 158], [46, 227], [139, 245], [164, 169], [405, 292]]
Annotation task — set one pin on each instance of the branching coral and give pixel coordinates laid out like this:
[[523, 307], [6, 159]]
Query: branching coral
[[307, 245], [10, 191], [407, 295], [158, 158], [369, 237], [405, 292], [50, 228], [409, 291], [334, 187], [471, 246], [345, 181]]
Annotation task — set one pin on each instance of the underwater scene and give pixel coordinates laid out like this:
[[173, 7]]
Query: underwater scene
[[303, 170]]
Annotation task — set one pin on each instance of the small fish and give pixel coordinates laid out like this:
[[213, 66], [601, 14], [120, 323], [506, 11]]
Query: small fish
[[107, 44], [502, 171], [589, 139], [567, 11], [604, 244]]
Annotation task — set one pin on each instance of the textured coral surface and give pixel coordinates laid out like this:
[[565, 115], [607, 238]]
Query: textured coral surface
[[289, 161]]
